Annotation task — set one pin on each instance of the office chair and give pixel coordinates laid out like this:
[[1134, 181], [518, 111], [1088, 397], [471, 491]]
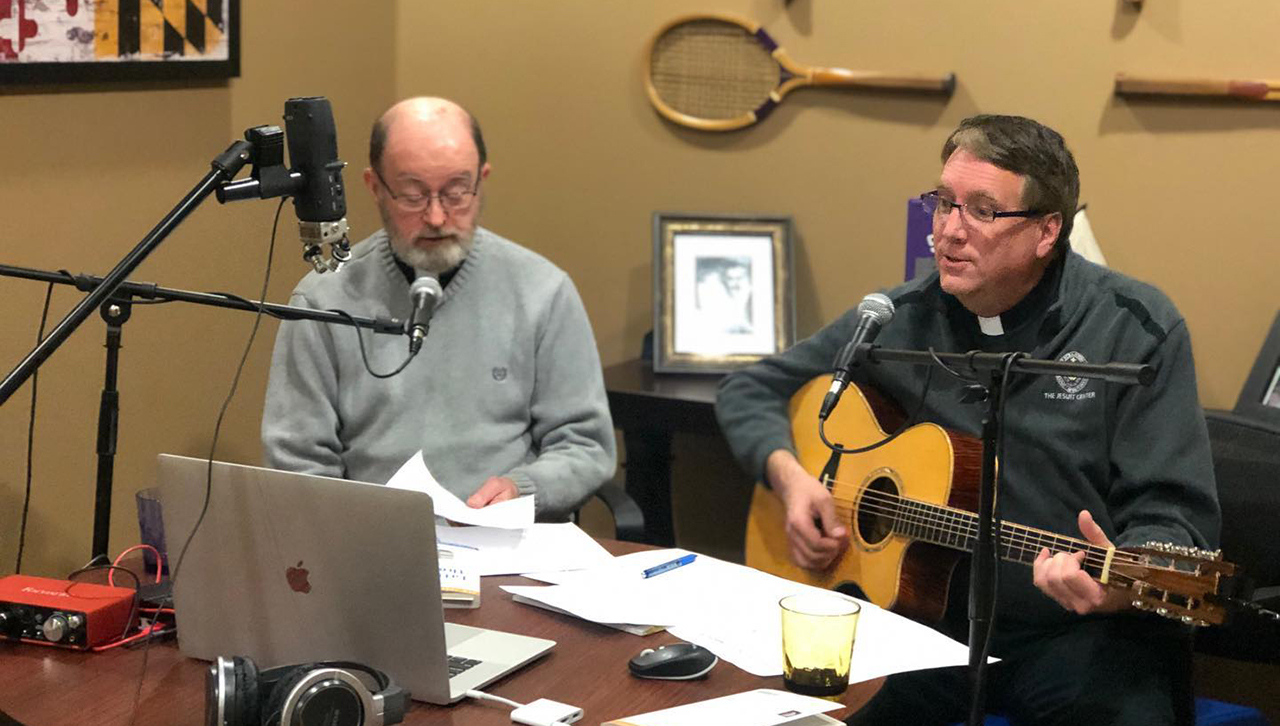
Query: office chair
[[628, 520], [1246, 464]]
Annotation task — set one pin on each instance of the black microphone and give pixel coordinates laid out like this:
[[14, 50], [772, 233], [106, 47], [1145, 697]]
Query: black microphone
[[425, 292], [874, 312], [321, 202]]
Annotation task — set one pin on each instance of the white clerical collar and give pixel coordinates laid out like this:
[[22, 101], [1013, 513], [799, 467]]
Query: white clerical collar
[[991, 326]]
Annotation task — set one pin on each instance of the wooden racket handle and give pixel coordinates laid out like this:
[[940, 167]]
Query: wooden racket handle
[[875, 79], [1255, 90]]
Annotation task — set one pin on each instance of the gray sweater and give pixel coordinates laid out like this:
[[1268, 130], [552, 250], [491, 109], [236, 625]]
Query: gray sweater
[[508, 382], [1136, 457]]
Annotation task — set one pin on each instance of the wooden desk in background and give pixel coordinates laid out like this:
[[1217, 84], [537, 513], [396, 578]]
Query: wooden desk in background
[[45, 686], [649, 409]]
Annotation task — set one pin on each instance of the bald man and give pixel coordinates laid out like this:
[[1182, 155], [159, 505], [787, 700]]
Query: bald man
[[506, 396]]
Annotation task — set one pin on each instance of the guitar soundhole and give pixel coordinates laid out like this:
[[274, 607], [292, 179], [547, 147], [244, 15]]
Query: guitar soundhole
[[876, 509]]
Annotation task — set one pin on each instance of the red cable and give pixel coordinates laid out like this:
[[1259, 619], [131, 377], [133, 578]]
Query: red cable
[[159, 561]]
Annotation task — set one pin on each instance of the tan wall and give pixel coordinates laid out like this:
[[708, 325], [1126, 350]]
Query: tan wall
[[1179, 193], [86, 172]]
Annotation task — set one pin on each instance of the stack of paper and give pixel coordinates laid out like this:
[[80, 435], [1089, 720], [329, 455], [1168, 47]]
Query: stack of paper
[[732, 611], [459, 581], [540, 547]]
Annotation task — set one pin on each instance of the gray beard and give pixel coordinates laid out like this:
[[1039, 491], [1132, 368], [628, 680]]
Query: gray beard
[[436, 261]]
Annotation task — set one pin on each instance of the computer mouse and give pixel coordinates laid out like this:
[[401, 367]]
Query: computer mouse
[[673, 662]]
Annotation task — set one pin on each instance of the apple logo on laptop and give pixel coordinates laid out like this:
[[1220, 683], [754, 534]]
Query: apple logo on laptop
[[296, 576]]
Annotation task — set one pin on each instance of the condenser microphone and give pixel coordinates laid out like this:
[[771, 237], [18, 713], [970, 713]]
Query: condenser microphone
[[874, 312], [425, 292], [321, 202]]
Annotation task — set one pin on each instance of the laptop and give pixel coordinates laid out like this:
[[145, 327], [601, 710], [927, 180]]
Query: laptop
[[293, 568]]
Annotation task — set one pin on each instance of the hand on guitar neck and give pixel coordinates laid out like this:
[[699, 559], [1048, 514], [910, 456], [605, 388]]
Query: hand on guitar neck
[[1061, 577], [815, 534]]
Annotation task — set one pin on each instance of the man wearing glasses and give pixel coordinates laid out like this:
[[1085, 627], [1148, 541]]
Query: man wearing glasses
[[506, 396], [1122, 464]]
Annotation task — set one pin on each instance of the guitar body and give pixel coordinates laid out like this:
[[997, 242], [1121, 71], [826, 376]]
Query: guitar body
[[926, 463]]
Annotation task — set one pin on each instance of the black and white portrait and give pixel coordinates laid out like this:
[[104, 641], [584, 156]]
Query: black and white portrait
[[721, 289], [723, 293]]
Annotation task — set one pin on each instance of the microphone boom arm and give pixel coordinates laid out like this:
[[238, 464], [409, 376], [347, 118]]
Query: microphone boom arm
[[225, 167]]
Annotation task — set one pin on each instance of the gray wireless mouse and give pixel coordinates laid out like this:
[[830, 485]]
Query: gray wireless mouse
[[674, 662]]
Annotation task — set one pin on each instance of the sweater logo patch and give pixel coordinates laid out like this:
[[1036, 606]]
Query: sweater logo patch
[[1072, 386], [499, 373]]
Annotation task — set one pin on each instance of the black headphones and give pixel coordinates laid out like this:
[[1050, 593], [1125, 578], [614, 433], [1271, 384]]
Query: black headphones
[[327, 692]]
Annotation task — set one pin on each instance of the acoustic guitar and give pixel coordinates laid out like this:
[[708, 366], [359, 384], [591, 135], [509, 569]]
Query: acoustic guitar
[[909, 508]]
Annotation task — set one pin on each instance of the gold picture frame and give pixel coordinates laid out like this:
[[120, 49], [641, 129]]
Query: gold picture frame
[[723, 294]]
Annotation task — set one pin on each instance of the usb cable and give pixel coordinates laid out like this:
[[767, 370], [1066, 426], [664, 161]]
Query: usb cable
[[542, 712]]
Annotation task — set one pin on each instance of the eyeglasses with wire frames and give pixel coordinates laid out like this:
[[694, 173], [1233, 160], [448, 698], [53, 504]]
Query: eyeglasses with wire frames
[[452, 201], [940, 207]]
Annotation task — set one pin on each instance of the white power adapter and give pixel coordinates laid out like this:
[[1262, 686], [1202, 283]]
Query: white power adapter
[[545, 712]]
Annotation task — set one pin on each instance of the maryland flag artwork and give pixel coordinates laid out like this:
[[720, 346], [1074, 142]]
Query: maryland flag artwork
[[79, 31]]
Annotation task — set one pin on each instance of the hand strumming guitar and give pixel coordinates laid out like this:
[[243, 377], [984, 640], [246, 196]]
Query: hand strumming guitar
[[815, 535], [1061, 577]]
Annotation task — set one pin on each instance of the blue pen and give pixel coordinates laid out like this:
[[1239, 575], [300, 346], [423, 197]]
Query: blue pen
[[668, 566]]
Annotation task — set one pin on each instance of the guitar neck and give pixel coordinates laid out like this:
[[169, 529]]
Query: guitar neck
[[958, 529]]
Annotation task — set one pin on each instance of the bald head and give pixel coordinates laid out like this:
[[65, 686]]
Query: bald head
[[437, 121]]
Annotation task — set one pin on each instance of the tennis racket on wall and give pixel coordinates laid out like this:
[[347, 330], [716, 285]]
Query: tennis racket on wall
[[720, 72]]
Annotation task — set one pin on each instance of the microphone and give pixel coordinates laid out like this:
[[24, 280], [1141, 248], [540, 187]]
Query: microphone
[[874, 312], [320, 202], [425, 292]]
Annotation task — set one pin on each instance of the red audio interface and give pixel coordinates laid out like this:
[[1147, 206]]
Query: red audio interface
[[63, 613]]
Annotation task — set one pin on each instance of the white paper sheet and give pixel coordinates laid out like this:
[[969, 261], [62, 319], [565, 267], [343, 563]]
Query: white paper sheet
[[761, 707], [543, 546], [733, 611], [511, 514]]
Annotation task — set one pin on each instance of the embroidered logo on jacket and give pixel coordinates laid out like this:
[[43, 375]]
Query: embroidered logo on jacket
[[500, 373], [1072, 386]]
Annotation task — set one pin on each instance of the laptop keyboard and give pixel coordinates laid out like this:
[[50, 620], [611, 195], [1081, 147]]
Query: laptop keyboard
[[458, 664]]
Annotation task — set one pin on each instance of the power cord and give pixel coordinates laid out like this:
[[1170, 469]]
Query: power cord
[[213, 446], [542, 712], [31, 434]]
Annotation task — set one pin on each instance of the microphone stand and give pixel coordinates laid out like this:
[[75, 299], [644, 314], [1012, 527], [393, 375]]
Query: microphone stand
[[225, 166], [115, 311], [989, 370]]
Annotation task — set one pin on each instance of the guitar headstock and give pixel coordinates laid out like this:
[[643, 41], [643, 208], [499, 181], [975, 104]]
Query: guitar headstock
[[1173, 581]]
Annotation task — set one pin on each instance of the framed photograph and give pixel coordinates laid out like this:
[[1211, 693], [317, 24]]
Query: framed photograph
[[722, 290], [1260, 397], [91, 41]]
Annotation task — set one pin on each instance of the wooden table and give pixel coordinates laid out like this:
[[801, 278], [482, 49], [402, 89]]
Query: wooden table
[[649, 408], [45, 686]]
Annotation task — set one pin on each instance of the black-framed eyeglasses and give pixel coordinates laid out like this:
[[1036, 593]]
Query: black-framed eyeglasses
[[940, 207], [451, 200]]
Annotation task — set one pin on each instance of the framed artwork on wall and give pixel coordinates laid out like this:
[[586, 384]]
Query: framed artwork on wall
[[722, 290], [92, 41], [1260, 397]]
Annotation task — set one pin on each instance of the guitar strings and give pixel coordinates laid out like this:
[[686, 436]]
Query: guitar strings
[[960, 523], [1010, 540], [906, 514], [1027, 542]]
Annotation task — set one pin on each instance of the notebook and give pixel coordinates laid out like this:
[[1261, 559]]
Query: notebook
[[292, 568]]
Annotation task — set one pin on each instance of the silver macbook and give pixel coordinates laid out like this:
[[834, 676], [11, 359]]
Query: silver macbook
[[291, 568]]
